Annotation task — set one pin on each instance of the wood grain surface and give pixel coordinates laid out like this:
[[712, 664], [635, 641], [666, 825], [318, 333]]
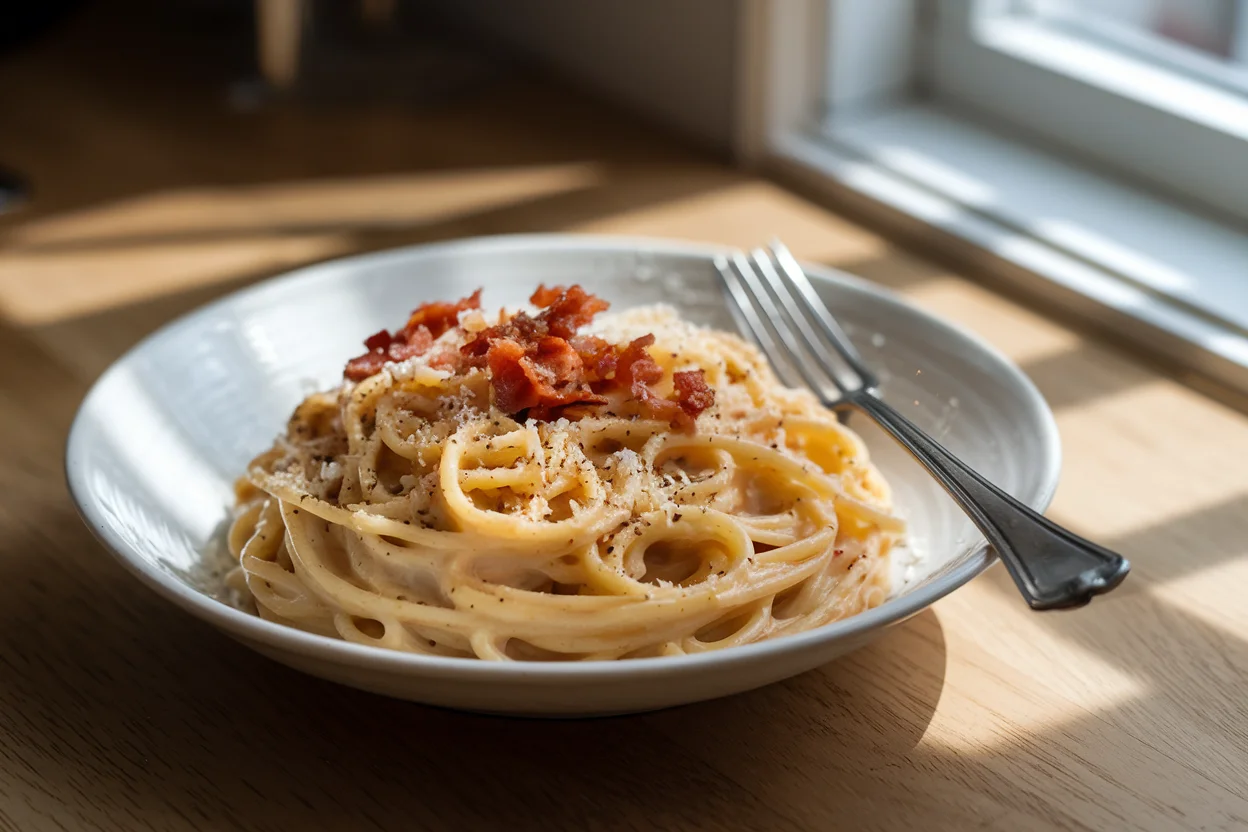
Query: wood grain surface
[[119, 712]]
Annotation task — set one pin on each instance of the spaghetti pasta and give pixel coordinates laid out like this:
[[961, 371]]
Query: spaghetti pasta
[[550, 487]]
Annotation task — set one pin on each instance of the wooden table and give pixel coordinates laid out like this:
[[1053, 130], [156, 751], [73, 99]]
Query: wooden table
[[117, 711]]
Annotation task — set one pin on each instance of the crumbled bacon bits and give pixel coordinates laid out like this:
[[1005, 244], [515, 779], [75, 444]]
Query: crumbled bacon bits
[[532, 364], [427, 323], [693, 394], [539, 365]]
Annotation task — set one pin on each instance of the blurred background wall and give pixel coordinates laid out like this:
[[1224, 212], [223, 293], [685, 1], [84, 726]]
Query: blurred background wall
[[673, 60]]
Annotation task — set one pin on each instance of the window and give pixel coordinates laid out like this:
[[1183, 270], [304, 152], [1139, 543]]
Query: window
[[1093, 151], [1210, 35], [1149, 88]]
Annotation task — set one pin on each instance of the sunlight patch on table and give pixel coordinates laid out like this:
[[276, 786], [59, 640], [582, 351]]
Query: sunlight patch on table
[[1022, 335], [1214, 595], [987, 707], [41, 289], [993, 621], [311, 205], [1151, 436], [747, 214], [100, 258]]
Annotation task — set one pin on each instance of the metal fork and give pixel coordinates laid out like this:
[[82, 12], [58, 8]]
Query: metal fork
[[775, 302]]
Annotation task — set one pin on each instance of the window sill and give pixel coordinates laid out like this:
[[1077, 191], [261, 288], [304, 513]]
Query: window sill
[[1155, 272], [1119, 73]]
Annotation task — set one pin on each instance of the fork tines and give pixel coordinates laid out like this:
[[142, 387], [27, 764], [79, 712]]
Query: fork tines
[[774, 301]]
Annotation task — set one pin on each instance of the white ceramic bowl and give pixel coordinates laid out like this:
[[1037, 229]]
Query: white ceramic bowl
[[165, 431]]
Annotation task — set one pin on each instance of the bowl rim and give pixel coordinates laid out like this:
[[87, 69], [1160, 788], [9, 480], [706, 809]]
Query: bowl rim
[[247, 627]]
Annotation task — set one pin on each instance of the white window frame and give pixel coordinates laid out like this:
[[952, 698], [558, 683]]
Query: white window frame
[[852, 100], [1167, 127]]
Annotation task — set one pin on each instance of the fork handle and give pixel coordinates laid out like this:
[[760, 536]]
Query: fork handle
[[1053, 567]]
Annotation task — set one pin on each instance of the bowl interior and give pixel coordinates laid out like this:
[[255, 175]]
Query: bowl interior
[[164, 433]]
